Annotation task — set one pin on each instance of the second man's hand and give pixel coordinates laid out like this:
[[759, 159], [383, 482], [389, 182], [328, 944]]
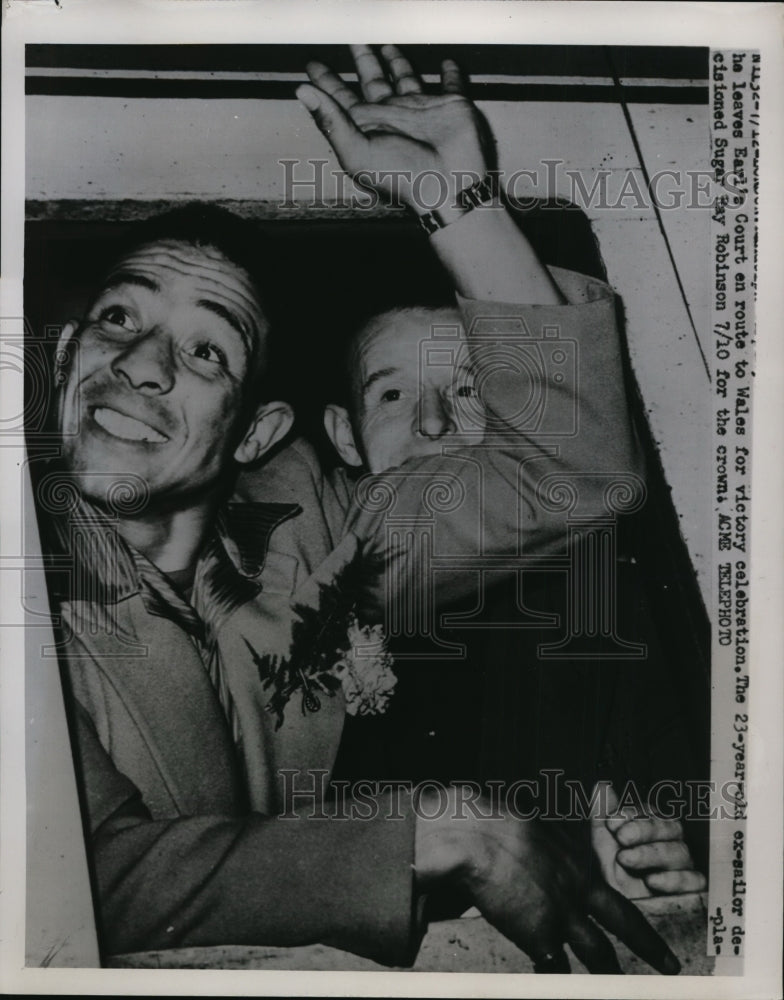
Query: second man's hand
[[525, 880]]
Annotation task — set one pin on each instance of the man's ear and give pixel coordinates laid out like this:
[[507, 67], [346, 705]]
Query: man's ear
[[337, 424], [271, 423], [61, 356], [63, 359]]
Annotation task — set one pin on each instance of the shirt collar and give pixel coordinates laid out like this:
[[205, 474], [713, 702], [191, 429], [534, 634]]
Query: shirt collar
[[98, 565]]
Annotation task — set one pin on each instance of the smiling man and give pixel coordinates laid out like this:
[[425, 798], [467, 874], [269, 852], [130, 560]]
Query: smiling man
[[164, 616], [170, 353]]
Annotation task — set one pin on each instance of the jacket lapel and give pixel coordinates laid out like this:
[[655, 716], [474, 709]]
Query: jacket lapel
[[178, 749], [303, 741], [300, 753], [189, 756]]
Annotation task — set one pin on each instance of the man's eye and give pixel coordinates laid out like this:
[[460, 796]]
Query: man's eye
[[117, 316], [390, 395], [207, 351], [466, 391]]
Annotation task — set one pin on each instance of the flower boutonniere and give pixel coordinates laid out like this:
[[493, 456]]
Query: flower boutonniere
[[329, 650]]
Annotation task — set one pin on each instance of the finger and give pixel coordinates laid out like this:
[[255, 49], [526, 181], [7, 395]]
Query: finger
[[551, 962], [622, 816], [619, 816], [533, 923], [372, 78], [345, 138], [605, 848], [668, 855], [625, 921], [592, 947], [672, 883], [322, 77], [646, 831], [402, 72], [452, 80]]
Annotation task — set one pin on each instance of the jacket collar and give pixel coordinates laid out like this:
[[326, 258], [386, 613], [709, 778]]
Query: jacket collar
[[101, 567]]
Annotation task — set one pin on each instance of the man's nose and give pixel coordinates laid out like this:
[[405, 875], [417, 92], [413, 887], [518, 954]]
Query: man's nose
[[436, 417], [147, 364]]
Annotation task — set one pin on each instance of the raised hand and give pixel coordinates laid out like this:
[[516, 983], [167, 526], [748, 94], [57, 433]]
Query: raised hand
[[527, 881], [403, 143]]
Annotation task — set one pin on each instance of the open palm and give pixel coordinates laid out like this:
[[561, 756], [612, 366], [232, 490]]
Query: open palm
[[399, 140]]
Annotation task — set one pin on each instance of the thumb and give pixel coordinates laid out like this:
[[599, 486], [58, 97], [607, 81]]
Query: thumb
[[605, 847], [602, 840], [332, 121]]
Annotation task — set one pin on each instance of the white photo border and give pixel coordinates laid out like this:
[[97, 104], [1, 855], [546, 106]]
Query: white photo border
[[715, 25]]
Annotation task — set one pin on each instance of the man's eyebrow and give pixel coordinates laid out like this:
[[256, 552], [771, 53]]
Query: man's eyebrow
[[131, 278], [375, 376], [142, 281], [226, 314]]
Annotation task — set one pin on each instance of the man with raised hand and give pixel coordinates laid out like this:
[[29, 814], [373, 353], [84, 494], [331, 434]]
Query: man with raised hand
[[429, 150], [409, 425], [166, 618]]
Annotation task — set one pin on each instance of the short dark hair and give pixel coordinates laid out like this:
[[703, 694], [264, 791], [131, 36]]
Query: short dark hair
[[202, 224]]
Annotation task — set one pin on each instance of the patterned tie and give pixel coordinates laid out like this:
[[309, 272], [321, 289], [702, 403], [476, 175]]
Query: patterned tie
[[218, 589], [163, 600]]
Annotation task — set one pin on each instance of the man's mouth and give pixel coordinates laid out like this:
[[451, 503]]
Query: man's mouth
[[126, 428]]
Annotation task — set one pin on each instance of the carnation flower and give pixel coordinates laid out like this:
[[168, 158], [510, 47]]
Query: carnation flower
[[365, 670], [330, 650]]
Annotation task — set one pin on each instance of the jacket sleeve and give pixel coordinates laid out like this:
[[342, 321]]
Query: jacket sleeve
[[558, 435], [210, 880]]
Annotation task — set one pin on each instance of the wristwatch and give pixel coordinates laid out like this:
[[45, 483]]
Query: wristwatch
[[481, 192]]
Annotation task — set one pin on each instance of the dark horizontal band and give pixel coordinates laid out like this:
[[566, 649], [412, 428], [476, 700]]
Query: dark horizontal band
[[649, 62], [284, 90]]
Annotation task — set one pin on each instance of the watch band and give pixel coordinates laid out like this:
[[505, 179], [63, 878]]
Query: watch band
[[431, 222], [481, 192]]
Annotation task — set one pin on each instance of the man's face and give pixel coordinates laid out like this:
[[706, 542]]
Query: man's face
[[410, 399], [165, 352]]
